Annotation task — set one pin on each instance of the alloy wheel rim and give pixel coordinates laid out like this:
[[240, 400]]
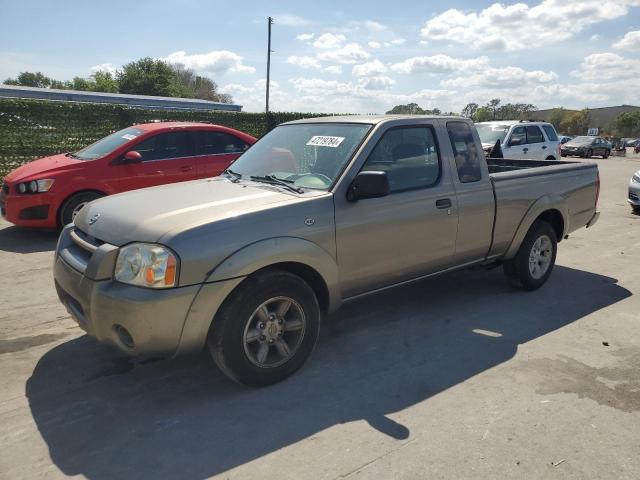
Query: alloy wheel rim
[[540, 257], [274, 332]]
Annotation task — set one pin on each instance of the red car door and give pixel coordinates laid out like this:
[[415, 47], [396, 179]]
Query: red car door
[[166, 158], [215, 151]]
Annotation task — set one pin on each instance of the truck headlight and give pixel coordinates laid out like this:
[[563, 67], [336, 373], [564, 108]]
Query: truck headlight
[[146, 265], [36, 186]]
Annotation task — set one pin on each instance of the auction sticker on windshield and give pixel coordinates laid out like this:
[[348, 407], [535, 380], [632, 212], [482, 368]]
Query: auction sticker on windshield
[[324, 141]]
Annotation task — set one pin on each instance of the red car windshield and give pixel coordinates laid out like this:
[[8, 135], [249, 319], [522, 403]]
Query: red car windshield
[[108, 144]]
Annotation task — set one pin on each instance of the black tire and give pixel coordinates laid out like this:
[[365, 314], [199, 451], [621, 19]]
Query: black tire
[[71, 204], [226, 338], [635, 209], [589, 154], [606, 154], [517, 269]]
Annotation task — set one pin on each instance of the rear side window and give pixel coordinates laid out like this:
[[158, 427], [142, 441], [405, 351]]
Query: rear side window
[[215, 143], [534, 134], [465, 152], [409, 156], [551, 133]]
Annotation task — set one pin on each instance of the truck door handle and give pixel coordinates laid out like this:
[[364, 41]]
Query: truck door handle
[[544, 147], [186, 168], [525, 150], [443, 203]]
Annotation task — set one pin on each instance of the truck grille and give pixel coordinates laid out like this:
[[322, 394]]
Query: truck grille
[[634, 197], [78, 254], [85, 241]]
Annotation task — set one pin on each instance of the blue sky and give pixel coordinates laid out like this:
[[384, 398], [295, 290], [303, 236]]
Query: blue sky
[[357, 56]]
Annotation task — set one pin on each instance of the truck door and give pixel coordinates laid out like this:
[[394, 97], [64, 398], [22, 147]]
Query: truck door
[[474, 192], [408, 233], [537, 148]]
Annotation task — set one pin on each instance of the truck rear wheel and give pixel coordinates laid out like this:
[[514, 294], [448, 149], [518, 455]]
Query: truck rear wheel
[[533, 263], [266, 329]]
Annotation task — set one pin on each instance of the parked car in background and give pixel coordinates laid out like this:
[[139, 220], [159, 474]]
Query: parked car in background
[[319, 212], [586, 147], [48, 193], [520, 139], [564, 139], [634, 192]]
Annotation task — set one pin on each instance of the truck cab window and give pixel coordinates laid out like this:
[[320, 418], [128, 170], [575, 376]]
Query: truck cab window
[[465, 152], [409, 156]]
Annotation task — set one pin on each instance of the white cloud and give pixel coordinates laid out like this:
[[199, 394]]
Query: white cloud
[[334, 69], [439, 63], [289, 20], [369, 25], [217, 61], [376, 82], [630, 41], [329, 40], [104, 67], [517, 26], [367, 69], [305, 36], [501, 78], [350, 53], [595, 37], [304, 62], [395, 42], [607, 66], [374, 44]]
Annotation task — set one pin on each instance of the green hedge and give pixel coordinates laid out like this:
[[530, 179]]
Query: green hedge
[[31, 129]]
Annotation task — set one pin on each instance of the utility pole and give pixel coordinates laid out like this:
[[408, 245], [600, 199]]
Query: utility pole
[[270, 22]]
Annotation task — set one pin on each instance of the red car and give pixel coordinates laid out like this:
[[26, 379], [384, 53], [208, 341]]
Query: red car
[[49, 192]]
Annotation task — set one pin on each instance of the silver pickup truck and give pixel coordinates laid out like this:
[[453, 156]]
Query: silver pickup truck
[[316, 213]]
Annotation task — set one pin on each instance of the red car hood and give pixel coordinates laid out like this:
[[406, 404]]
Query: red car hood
[[43, 167]]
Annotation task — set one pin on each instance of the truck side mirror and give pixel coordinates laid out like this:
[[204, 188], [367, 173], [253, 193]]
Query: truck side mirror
[[368, 185], [515, 141], [132, 157]]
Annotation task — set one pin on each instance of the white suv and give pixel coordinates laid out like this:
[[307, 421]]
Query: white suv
[[520, 139]]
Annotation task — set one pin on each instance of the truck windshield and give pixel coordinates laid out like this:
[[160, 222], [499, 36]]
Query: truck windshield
[[492, 133], [307, 155], [108, 144]]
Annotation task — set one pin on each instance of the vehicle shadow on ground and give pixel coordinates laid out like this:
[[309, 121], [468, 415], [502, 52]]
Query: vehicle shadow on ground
[[22, 240], [377, 356]]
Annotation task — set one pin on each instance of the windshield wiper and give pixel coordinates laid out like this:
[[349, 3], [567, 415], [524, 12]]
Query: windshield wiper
[[277, 181], [235, 175]]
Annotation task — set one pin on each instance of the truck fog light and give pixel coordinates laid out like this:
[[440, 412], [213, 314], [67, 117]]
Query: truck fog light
[[124, 336]]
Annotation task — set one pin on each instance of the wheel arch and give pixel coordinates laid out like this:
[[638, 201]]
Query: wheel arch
[[66, 198], [550, 208]]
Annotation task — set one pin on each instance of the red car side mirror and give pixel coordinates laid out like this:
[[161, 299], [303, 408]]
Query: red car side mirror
[[132, 157]]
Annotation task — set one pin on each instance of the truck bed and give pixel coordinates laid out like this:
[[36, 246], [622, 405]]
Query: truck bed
[[519, 184]]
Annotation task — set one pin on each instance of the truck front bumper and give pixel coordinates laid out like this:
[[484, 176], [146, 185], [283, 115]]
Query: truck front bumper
[[138, 321]]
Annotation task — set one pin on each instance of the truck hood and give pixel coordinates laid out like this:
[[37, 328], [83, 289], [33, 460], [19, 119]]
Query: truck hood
[[148, 214], [44, 168]]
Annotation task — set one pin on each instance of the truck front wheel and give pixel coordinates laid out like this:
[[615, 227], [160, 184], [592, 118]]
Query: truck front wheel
[[533, 263], [266, 329]]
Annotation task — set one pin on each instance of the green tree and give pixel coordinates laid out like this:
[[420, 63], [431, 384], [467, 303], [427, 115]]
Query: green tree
[[628, 124], [104, 82], [30, 79], [493, 106], [408, 109], [470, 110], [195, 86], [483, 114], [149, 77], [557, 116], [576, 123]]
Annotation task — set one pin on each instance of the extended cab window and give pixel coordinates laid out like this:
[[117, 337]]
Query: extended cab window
[[465, 152], [165, 146], [409, 156], [534, 134], [215, 143]]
